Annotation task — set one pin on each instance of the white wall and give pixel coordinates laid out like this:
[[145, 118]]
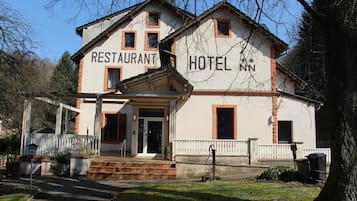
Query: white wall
[[202, 42], [94, 69], [302, 115], [194, 117]]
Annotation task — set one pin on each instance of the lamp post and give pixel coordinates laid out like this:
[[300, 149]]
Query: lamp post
[[32, 148]]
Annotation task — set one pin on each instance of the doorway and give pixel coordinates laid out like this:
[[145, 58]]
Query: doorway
[[151, 132]]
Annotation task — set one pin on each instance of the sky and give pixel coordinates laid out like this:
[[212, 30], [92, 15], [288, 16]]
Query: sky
[[55, 34]]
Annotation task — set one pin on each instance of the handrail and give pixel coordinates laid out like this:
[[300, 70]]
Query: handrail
[[122, 148]]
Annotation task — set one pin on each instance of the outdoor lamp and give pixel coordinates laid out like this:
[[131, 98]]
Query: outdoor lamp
[[32, 148]]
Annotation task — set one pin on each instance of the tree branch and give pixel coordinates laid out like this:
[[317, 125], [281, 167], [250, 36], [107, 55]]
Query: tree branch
[[317, 16]]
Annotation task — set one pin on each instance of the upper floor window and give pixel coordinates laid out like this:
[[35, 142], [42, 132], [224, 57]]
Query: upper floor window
[[153, 19], [112, 77], [128, 41], [151, 40], [222, 28]]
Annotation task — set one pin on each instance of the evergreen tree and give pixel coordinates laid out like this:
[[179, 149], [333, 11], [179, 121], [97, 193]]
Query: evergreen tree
[[63, 80]]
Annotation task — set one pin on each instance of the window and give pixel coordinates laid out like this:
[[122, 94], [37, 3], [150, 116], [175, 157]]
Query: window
[[224, 122], [112, 77], [222, 28], [284, 132], [153, 19], [150, 68], [128, 41], [151, 40], [113, 127]]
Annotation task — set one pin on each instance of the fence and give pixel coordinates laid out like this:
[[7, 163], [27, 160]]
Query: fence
[[275, 152], [237, 148], [201, 147], [50, 144]]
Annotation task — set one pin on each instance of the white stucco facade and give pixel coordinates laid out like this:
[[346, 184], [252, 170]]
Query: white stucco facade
[[232, 76]]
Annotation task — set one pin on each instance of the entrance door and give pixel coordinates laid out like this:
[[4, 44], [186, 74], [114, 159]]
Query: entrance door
[[150, 136]]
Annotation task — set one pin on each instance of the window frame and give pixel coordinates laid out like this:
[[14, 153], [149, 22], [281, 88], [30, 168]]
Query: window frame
[[215, 119], [217, 32], [148, 25], [148, 68], [104, 122], [120, 127], [291, 131], [147, 48], [123, 42], [106, 76]]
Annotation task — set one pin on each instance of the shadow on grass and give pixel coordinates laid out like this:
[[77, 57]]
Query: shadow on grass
[[163, 194], [62, 188]]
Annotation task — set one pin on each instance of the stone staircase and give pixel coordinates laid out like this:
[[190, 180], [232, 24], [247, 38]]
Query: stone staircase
[[132, 170]]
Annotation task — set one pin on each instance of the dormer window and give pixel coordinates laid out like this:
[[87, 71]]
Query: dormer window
[[222, 28], [128, 41], [153, 19]]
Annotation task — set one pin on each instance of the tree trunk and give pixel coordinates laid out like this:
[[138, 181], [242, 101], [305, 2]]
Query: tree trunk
[[341, 54]]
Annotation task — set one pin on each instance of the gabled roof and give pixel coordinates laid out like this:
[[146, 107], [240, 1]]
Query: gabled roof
[[162, 81], [79, 30], [303, 98], [290, 75], [279, 44], [80, 53]]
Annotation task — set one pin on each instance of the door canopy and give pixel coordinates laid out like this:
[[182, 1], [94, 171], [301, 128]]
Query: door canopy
[[164, 83]]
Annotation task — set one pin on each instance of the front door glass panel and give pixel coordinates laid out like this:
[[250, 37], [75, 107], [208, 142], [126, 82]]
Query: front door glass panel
[[154, 136]]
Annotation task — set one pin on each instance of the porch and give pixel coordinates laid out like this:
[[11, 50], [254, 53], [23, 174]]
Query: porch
[[89, 145]]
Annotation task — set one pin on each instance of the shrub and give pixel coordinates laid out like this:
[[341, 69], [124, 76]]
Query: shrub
[[62, 157], [280, 173], [10, 144]]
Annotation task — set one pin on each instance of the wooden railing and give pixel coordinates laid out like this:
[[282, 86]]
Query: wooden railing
[[50, 144], [236, 148], [275, 152], [201, 147]]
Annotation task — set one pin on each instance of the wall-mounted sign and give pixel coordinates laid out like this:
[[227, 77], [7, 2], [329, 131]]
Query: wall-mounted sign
[[124, 58], [218, 63]]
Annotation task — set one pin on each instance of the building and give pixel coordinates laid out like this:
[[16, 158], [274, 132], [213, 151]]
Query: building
[[156, 76]]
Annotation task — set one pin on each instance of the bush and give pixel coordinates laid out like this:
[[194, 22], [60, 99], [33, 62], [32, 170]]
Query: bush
[[280, 173], [10, 144], [62, 157]]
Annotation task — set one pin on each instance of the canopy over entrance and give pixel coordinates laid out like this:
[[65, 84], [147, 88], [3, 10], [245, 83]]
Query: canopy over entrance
[[164, 83]]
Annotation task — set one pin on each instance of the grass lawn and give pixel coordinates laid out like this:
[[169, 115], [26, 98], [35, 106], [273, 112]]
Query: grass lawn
[[222, 190], [14, 197]]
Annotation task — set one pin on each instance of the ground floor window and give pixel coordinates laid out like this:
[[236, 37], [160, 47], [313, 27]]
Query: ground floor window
[[224, 122], [113, 128], [285, 132]]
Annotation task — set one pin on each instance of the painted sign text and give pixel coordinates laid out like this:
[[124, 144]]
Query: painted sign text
[[124, 57]]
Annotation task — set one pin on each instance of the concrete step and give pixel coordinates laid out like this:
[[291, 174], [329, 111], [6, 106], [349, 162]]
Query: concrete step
[[132, 170]]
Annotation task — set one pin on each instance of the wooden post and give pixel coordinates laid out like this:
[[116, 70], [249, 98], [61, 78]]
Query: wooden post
[[65, 122], [98, 119], [58, 128], [172, 128], [26, 124]]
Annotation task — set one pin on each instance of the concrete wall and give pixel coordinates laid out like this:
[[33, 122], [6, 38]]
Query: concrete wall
[[229, 167]]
